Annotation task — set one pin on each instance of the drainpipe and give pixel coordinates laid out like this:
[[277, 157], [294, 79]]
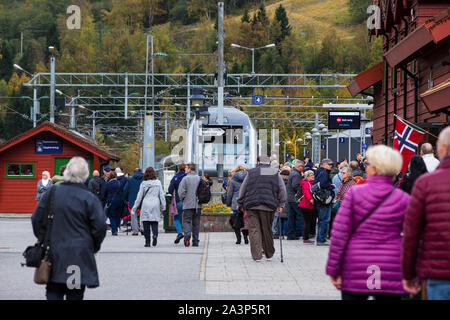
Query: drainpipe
[[405, 84], [416, 91], [395, 91], [386, 92]]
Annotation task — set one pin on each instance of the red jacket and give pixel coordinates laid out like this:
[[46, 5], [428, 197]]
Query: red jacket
[[426, 241], [307, 195]]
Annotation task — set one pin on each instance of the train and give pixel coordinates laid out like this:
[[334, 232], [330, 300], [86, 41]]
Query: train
[[237, 137]]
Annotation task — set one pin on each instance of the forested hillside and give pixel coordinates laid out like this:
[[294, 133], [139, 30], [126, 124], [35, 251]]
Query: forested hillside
[[311, 36]]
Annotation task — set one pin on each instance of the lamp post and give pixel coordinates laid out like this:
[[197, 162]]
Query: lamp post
[[295, 146], [52, 84], [253, 52], [196, 99]]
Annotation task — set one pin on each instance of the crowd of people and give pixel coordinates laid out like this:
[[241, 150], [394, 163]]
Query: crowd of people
[[387, 232]]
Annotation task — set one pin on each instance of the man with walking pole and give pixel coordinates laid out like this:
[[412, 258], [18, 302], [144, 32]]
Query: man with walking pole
[[262, 192]]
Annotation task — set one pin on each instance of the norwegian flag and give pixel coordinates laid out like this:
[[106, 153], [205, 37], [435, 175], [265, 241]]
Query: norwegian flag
[[406, 140]]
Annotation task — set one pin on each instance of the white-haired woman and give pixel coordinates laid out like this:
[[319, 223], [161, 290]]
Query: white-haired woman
[[43, 185], [346, 183], [79, 227], [365, 252], [306, 206]]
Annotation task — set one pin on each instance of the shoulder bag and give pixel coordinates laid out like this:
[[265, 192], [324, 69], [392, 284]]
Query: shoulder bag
[[34, 254], [337, 204], [140, 204], [372, 211], [42, 273]]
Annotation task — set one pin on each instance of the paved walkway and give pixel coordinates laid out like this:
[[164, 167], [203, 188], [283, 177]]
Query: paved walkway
[[218, 269]]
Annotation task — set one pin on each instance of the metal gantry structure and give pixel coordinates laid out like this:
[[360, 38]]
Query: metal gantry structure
[[172, 110]]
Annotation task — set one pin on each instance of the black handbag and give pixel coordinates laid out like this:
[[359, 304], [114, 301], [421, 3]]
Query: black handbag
[[35, 254]]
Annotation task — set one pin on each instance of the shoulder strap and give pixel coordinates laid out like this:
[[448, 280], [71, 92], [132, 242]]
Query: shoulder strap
[[372, 211], [50, 216]]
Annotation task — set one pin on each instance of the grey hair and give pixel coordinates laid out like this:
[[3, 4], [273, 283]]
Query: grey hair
[[348, 171], [308, 173], [386, 161], [444, 136], [297, 162], [77, 170], [343, 165], [426, 148]]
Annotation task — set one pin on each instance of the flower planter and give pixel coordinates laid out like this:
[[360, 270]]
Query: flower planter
[[215, 222]]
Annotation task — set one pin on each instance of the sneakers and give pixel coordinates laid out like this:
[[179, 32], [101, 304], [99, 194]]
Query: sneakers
[[269, 259], [323, 243], [308, 241], [179, 237], [187, 241], [155, 241]]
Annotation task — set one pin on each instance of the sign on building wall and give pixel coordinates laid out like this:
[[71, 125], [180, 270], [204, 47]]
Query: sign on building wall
[[44, 146]]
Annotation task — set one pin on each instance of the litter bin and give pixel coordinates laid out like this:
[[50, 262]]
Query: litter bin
[[168, 219]]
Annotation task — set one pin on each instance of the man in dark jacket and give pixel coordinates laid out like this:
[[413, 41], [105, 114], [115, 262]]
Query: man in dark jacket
[[323, 176], [295, 219], [426, 229], [95, 184], [77, 233], [121, 195], [130, 191], [104, 180], [262, 193]]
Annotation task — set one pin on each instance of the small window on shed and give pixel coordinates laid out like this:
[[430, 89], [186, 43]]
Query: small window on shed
[[20, 170], [13, 169]]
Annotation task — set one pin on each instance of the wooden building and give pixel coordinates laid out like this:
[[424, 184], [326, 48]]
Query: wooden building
[[44, 148], [412, 79]]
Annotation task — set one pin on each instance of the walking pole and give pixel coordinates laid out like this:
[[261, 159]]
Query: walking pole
[[279, 232]]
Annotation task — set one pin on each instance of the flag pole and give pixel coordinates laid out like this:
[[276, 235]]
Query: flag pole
[[416, 127]]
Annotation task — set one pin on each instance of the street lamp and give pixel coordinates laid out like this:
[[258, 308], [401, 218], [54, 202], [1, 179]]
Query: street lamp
[[253, 52], [52, 50], [295, 146]]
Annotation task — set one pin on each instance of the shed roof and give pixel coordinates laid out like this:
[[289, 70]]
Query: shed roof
[[64, 133]]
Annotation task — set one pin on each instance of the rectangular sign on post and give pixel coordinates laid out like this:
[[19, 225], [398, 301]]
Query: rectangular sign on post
[[344, 120]]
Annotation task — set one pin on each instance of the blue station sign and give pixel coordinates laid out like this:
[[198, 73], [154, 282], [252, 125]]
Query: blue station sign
[[48, 146]]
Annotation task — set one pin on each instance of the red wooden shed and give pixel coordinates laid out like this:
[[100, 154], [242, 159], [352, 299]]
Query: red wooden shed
[[44, 148]]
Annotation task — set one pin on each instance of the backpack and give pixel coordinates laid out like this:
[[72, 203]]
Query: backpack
[[299, 195], [323, 196], [203, 192]]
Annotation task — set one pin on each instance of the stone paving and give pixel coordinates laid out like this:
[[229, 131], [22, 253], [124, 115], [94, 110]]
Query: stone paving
[[216, 270]]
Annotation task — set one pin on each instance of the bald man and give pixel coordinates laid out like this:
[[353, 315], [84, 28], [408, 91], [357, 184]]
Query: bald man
[[426, 229], [95, 184], [426, 151]]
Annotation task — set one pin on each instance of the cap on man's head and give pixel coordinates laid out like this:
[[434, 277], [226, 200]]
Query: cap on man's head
[[107, 168]]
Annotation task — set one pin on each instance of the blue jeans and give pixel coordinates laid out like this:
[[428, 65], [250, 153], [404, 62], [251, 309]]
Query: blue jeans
[[324, 223], [277, 223], [177, 218], [438, 289], [114, 214], [295, 222]]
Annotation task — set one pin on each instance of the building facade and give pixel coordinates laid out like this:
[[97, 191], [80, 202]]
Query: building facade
[[412, 79]]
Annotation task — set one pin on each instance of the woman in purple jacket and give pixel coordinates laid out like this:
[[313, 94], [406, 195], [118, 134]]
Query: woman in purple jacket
[[365, 260]]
